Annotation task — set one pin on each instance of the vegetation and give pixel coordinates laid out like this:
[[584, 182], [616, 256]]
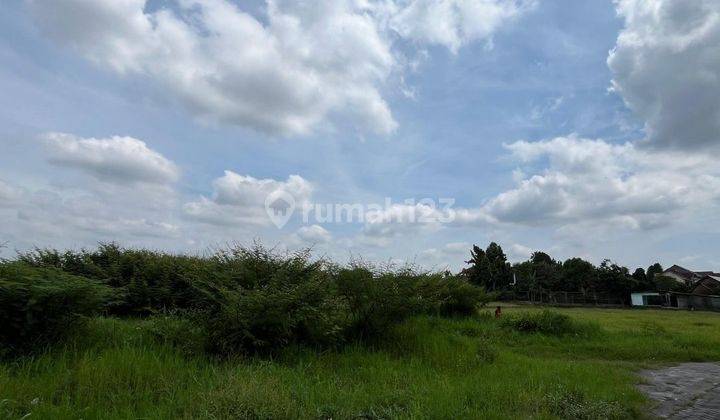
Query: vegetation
[[240, 300], [253, 333], [40, 306], [426, 367], [541, 273]]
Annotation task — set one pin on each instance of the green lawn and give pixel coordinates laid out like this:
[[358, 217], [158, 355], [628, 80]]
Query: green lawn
[[430, 368]]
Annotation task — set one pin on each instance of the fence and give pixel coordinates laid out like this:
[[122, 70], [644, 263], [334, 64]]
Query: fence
[[563, 298]]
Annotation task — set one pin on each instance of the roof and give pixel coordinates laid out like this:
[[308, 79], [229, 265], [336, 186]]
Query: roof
[[681, 271], [689, 275]]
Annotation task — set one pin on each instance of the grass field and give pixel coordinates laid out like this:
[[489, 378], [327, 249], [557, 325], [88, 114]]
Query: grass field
[[429, 368]]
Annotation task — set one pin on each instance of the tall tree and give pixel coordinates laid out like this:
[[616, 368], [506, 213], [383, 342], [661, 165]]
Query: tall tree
[[615, 280], [652, 271], [578, 275], [478, 273], [642, 281], [500, 273]]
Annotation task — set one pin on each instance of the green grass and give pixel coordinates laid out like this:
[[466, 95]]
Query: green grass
[[429, 368]]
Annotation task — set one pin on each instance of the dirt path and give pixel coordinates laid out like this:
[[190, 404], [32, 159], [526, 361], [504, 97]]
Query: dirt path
[[686, 391]]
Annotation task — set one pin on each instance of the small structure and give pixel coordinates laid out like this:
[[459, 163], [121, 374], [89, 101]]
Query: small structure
[[649, 299]]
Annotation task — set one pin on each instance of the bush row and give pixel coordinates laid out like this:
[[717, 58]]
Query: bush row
[[239, 299], [40, 305]]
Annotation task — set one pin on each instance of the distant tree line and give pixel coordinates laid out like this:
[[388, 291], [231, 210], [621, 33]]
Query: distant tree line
[[541, 273]]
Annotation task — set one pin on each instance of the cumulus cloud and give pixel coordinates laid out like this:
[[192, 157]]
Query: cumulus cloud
[[115, 159], [454, 23], [402, 219], [666, 66], [284, 72], [52, 216], [586, 180], [314, 234], [240, 199]]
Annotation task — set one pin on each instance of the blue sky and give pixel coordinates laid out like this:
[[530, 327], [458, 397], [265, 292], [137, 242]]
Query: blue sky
[[583, 128]]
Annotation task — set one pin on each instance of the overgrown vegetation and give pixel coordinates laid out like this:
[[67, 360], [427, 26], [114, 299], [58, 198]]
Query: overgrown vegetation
[[247, 299], [427, 367], [549, 322], [117, 333], [39, 306]]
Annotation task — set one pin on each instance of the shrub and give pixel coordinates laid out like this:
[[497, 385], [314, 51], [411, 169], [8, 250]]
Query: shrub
[[180, 330], [452, 295], [376, 301], [145, 281], [41, 305], [254, 299], [268, 300], [547, 322]]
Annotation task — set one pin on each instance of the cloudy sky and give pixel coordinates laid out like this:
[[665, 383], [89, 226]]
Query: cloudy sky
[[579, 127]]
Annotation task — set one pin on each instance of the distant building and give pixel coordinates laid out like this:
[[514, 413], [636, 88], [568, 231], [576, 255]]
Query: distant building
[[682, 275], [703, 287], [698, 282]]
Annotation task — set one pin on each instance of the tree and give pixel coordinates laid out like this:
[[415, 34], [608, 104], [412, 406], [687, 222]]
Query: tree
[[500, 273], [539, 257], [615, 280], [578, 275], [642, 281], [478, 273], [667, 283], [488, 268], [652, 271]]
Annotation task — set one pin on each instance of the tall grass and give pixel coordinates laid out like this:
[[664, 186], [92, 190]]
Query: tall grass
[[428, 367]]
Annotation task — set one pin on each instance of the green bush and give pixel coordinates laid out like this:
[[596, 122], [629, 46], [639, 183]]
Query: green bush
[[547, 322], [451, 295], [180, 330], [41, 305], [145, 281], [268, 300], [253, 299], [376, 302]]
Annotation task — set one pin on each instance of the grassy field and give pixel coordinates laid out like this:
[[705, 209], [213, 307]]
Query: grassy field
[[429, 368]]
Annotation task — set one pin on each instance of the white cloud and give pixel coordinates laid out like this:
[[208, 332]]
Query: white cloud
[[453, 23], [666, 64], [239, 199], [598, 182], [116, 159], [285, 72], [59, 217], [403, 219], [314, 234]]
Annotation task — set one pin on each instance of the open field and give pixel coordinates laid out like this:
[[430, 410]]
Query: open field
[[430, 368]]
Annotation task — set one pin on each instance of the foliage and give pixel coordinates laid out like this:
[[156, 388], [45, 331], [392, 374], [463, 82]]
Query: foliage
[[652, 271], [547, 322], [41, 305], [145, 281], [488, 268], [443, 368], [256, 300]]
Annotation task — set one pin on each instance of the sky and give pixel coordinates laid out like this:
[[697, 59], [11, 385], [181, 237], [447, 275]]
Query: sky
[[399, 130]]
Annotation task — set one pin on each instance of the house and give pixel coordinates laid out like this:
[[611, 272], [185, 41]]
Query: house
[[682, 275], [709, 284], [703, 286]]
